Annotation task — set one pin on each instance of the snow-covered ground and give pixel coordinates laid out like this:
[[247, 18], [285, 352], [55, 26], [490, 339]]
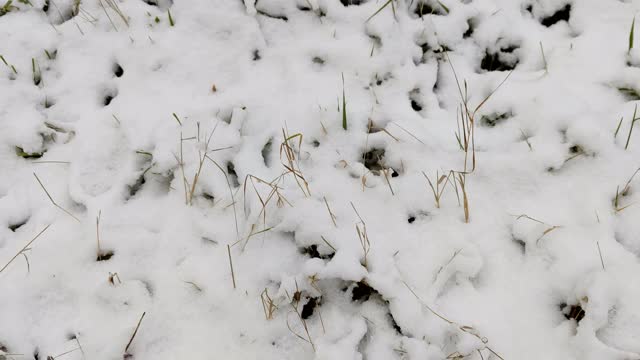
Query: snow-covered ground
[[228, 179]]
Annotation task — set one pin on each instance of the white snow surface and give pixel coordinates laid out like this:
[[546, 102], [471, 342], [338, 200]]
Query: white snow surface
[[108, 107]]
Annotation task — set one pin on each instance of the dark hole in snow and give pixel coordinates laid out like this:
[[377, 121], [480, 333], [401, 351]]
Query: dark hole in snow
[[415, 106], [415, 102], [117, 70], [373, 160], [352, 2], [208, 196], [424, 8], [576, 149], [15, 226], [411, 219], [394, 324], [163, 4], [3, 348], [303, 8], [140, 181], [48, 102], [529, 8], [318, 60], [266, 152], [105, 255], [503, 60], [309, 307], [315, 143], [256, 55], [442, 49], [575, 312], [521, 244], [372, 128], [394, 173], [45, 7], [362, 292], [471, 26], [312, 252], [233, 176], [71, 336], [36, 354], [108, 98], [560, 15], [494, 119]]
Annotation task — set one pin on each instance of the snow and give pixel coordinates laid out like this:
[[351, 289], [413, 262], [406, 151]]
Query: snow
[[294, 238]]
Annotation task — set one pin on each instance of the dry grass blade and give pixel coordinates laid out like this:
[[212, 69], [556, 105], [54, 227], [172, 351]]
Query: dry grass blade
[[438, 190], [328, 243], [333, 217], [134, 334], [268, 305], [293, 164], [462, 181], [382, 8], [467, 329], [53, 201], [408, 132], [361, 230], [233, 275], [633, 122], [233, 201], [25, 248], [294, 302], [385, 172]]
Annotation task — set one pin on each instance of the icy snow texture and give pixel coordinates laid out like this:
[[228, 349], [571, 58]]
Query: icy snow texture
[[559, 283]]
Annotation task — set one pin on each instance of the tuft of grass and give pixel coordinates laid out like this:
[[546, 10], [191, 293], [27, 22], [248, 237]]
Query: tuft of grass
[[293, 164], [7, 7], [344, 106], [268, 305], [633, 26], [624, 192], [438, 190], [465, 135]]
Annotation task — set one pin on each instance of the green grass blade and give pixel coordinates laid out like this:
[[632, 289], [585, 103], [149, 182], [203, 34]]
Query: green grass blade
[[380, 9], [633, 26], [344, 106]]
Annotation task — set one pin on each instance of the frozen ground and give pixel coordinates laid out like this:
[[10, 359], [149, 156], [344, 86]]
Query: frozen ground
[[159, 143]]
